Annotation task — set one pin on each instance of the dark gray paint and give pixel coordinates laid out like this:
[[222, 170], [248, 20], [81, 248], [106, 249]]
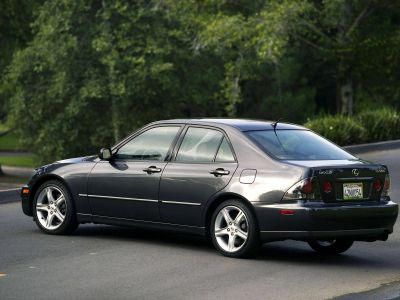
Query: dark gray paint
[[125, 179], [192, 183]]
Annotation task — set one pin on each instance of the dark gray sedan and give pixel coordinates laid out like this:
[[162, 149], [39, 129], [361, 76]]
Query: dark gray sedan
[[239, 182]]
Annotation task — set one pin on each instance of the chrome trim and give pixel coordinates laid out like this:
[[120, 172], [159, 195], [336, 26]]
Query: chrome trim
[[183, 203], [143, 221], [138, 199], [122, 198], [322, 231]]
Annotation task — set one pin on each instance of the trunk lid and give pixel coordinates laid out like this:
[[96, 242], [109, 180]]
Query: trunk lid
[[350, 181]]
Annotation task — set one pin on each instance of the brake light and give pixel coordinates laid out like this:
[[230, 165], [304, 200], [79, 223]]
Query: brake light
[[302, 190], [377, 185], [386, 186], [327, 187], [307, 186]]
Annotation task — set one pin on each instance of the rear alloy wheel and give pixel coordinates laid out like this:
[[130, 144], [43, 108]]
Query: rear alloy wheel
[[53, 209], [331, 246], [233, 230]]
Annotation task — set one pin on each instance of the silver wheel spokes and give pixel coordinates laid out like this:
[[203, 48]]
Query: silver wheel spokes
[[326, 243], [51, 208], [231, 228]]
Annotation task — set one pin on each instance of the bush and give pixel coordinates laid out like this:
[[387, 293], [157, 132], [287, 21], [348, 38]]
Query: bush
[[339, 129], [380, 125]]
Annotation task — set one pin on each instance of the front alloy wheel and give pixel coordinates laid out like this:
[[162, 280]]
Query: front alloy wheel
[[53, 209], [233, 229]]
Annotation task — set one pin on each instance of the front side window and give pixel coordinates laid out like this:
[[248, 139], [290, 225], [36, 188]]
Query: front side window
[[153, 144], [297, 145], [199, 145]]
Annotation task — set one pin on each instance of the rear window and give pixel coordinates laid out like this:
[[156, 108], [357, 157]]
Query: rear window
[[297, 145]]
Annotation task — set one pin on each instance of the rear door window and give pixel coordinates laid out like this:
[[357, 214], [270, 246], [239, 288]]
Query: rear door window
[[199, 145], [224, 152]]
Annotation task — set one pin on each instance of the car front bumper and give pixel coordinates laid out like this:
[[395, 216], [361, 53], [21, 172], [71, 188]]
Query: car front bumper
[[306, 221], [25, 203]]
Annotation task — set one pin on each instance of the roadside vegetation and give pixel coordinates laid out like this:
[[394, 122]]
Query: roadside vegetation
[[10, 150], [18, 161], [9, 142], [367, 126]]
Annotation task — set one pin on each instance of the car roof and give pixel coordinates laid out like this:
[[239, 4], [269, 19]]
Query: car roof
[[241, 124]]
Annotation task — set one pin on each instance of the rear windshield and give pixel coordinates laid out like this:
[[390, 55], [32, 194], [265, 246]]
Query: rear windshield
[[297, 145]]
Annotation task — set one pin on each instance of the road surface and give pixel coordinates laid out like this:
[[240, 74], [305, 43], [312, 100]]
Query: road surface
[[105, 262]]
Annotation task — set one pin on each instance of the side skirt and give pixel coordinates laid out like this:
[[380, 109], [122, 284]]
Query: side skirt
[[88, 218]]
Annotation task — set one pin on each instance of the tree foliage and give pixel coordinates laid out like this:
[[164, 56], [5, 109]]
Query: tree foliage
[[88, 72]]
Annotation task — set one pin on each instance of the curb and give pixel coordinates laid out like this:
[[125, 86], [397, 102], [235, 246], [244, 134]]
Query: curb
[[10, 196], [16, 171], [14, 153], [379, 146], [386, 291]]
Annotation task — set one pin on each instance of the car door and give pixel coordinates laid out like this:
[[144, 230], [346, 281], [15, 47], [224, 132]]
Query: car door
[[127, 185], [203, 165]]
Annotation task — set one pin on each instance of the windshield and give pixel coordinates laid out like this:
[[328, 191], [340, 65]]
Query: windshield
[[297, 145]]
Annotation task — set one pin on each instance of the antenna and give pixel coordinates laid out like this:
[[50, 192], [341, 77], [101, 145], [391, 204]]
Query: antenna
[[277, 137], [276, 123]]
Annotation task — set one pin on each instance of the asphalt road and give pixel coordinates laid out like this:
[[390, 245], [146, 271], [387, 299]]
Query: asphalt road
[[105, 262]]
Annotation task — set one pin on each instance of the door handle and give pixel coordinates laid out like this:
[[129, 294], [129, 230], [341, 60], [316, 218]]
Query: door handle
[[219, 172], [152, 169]]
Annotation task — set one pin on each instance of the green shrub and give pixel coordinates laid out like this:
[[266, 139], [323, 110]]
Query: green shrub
[[380, 125], [9, 141], [19, 161], [339, 129]]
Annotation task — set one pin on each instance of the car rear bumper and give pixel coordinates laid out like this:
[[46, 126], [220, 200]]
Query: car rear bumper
[[366, 221]]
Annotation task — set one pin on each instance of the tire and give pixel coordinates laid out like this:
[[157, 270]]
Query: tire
[[53, 209], [228, 236], [331, 246]]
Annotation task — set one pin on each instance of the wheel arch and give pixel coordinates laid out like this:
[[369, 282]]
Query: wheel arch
[[217, 200], [39, 182]]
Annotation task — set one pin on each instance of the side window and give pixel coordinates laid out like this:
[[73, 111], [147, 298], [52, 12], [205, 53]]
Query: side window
[[199, 145], [224, 153], [152, 144]]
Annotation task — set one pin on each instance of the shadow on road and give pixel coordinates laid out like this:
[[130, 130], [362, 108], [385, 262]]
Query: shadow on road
[[293, 252], [296, 253], [162, 238]]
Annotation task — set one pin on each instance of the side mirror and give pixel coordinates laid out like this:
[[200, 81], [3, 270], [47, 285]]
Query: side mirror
[[105, 153]]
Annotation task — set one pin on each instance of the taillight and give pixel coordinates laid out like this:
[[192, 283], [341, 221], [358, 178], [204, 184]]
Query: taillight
[[377, 185], [307, 186], [386, 186], [327, 186], [304, 189]]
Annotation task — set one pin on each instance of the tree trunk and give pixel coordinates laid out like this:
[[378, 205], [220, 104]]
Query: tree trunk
[[344, 81], [347, 96], [114, 119]]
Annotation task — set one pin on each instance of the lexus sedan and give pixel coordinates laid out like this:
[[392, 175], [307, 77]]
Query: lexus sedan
[[238, 182]]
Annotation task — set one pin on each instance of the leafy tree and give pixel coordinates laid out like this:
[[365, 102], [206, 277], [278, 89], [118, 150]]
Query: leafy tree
[[354, 40], [341, 47], [86, 73], [96, 70], [15, 19]]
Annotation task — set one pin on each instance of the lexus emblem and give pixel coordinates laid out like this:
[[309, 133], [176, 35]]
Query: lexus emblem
[[355, 172]]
